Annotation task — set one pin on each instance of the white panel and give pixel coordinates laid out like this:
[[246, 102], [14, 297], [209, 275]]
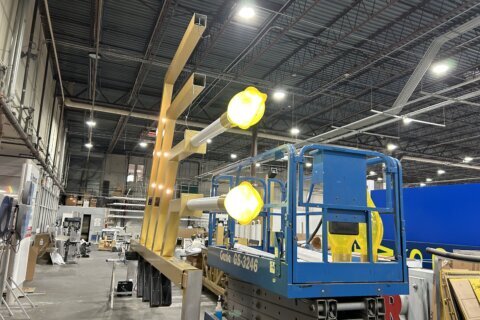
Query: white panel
[[7, 15]]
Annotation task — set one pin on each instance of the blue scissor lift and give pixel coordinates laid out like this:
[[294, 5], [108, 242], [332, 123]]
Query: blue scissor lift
[[268, 283]]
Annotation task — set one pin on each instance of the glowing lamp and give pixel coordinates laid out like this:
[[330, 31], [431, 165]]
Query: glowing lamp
[[243, 203], [246, 108]]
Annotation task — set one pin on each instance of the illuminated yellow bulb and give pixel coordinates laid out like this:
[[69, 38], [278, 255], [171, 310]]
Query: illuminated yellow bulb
[[243, 203], [159, 153], [377, 233], [168, 191], [164, 120], [153, 185], [246, 108], [160, 187], [166, 154]]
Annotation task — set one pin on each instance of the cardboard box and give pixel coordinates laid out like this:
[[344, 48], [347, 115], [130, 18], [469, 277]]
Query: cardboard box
[[188, 233], [42, 242], [456, 264], [32, 262], [195, 260]]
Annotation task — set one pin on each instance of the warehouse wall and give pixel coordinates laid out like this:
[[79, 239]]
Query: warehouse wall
[[49, 125], [114, 169], [38, 115]]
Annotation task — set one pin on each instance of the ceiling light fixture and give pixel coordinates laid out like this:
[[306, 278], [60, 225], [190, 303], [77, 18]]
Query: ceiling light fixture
[[440, 68], [233, 156], [257, 165], [209, 141], [88, 145], [308, 164], [246, 12], [422, 184], [440, 171], [467, 159], [91, 123], [429, 179], [93, 55], [372, 173], [294, 131], [407, 120], [391, 147], [279, 95], [380, 179], [143, 144]]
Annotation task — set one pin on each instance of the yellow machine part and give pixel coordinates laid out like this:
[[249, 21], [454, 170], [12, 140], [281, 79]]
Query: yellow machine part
[[377, 233], [341, 245]]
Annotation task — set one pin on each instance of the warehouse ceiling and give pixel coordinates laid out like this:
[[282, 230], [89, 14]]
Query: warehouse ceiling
[[337, 62]]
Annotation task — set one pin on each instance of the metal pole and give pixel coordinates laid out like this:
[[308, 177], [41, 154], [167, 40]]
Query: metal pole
[[7, 306], [214, 129], [50, 129], [17, 300], [212, 203], [27, 64], [54, 47], [4, 269], [11, 118], [253, 169], [22, 292], [47, 64], [191, 295]]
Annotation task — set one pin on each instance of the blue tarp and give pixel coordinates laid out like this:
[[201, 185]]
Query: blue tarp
[[437, 216]]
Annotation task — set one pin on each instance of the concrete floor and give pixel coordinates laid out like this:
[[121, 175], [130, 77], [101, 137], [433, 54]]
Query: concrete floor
[[80, 291]]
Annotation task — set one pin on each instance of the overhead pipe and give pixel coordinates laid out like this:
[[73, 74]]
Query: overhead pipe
[[409, 115], [427, 60], [11, 118], [27, 65], [439, 96], [111, 110], [442, 163], [362, 130], [54, 47], [410, 119], [407, 91], [42, 98], [98, 28]]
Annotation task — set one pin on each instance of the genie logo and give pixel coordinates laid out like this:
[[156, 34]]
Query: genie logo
[[225, 257]]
